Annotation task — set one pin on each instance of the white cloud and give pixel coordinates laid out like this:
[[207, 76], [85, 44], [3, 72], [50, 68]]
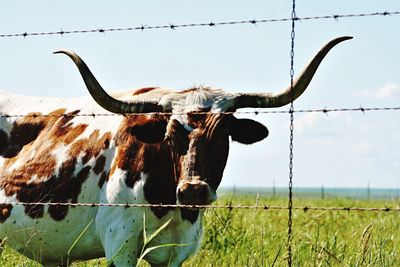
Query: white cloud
[[318, 119], [388, 90], [385, 91], [306, 120]]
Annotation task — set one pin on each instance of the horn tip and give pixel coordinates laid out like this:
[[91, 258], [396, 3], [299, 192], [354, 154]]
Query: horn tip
[[64, 51], [344, 38]]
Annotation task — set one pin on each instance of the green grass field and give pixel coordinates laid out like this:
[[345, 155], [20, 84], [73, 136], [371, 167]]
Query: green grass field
[[259, 237]]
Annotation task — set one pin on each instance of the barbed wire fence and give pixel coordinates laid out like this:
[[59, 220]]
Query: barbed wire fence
[[259, 206]]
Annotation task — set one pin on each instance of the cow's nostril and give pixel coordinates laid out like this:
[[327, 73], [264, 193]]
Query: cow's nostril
[[194, 193], [203, 192], [181, 195]]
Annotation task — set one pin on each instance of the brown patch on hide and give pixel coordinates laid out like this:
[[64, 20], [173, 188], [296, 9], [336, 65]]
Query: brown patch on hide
[[64, 132], [153, 160], [27, 129], [100, 163], [68, 189], [144, 90], [5, 212], [152, 130], [189, 90], [35, 177], [23, 132], [90, 147], [4, 142], [103, 179], [190, 215]]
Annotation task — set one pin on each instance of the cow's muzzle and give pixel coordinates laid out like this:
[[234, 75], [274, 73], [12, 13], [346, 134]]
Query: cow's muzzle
[[195, 192]]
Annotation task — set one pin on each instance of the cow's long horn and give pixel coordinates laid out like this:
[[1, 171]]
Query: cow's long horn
[[271, 100], [101, 97]]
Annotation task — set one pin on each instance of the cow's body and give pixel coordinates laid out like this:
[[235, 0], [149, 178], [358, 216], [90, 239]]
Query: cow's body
[[60, 151], [75, 159]]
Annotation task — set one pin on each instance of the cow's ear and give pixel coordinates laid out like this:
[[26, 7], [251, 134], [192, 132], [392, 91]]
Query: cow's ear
[[247, 131], [152, 131]]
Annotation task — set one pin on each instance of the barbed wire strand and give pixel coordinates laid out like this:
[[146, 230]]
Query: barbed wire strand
[[145, 27], [256, 112], [260, 206]]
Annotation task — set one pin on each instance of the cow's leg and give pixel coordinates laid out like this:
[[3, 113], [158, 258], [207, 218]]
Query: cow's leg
[[120, 252], [119, 232], [181, 232]]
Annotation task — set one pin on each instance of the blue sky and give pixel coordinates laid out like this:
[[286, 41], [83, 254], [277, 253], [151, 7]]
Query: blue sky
[[347, 149]]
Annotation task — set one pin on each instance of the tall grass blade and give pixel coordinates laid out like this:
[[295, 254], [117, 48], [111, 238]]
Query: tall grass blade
[[153, 235], [150, 249], [77, 240]]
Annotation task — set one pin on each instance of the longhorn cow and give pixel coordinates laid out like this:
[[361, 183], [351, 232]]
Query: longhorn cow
[[170, 148]]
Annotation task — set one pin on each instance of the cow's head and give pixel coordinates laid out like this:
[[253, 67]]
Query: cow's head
[[200, 125], [206, 152], [199, 143]]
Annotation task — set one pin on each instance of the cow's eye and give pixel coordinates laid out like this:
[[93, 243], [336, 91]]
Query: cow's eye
[[178, 137]]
